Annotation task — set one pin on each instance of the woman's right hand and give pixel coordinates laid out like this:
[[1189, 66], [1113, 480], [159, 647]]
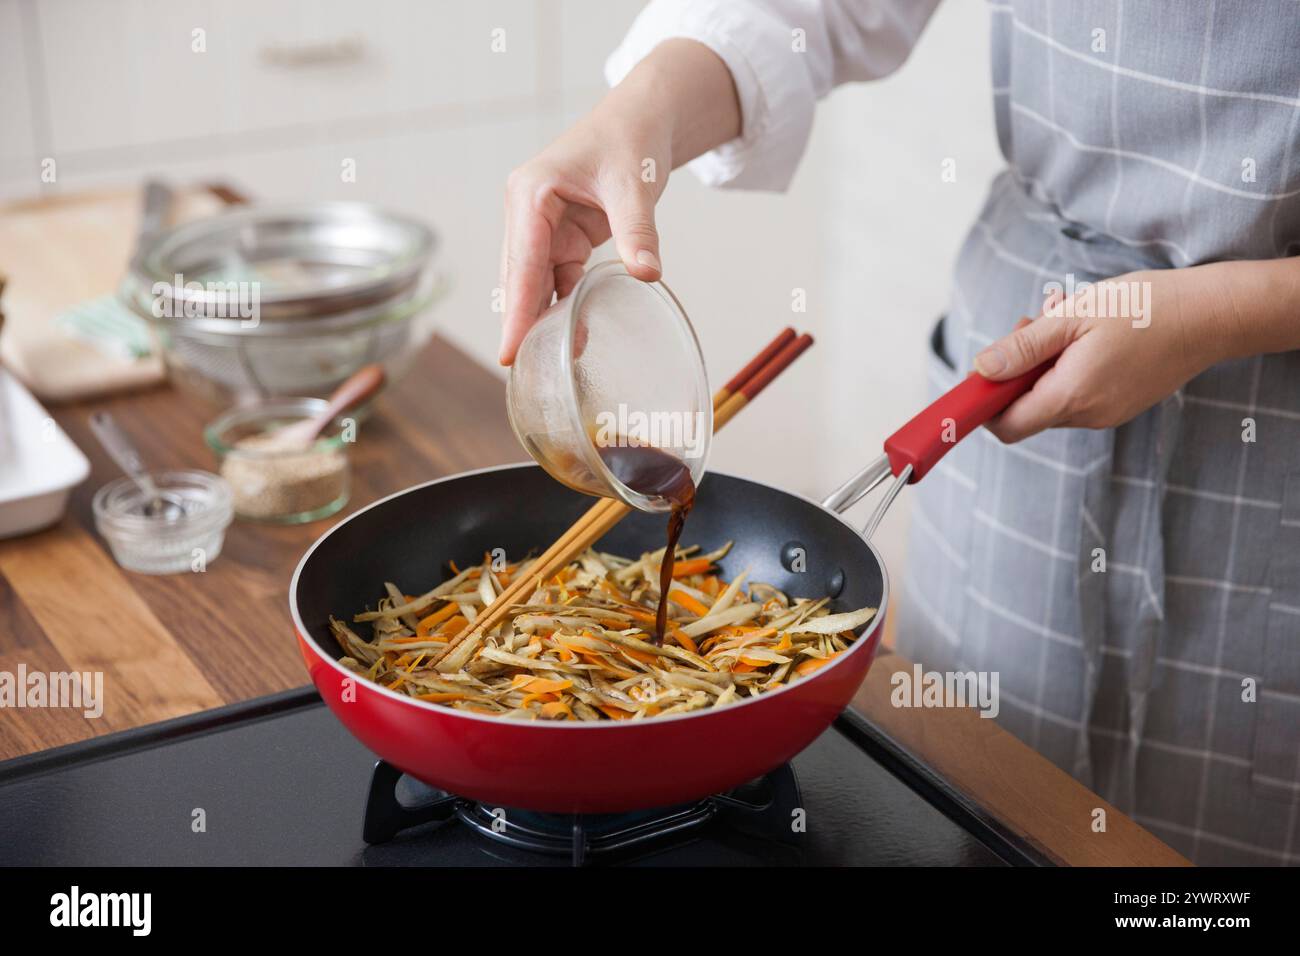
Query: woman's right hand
[[603, 176]]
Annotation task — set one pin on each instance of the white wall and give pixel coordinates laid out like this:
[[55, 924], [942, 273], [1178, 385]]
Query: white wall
[[869, 230], [892, 229], [113, 90]]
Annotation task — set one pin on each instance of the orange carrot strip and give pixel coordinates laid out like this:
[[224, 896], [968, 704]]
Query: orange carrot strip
[[426, 625], [454, 625], [577, 648], [678, 635], [555, 708], [688, 602], [812, 664], [540, 685], [694, 566]]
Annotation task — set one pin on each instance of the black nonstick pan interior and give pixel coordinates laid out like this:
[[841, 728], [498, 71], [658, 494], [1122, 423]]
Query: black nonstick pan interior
[[409, 538]]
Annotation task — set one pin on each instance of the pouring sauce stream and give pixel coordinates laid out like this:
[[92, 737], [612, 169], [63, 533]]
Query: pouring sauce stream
[[657, 474]]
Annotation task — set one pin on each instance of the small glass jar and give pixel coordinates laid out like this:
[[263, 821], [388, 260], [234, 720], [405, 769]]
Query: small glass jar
[[286, 486], [185, 533]]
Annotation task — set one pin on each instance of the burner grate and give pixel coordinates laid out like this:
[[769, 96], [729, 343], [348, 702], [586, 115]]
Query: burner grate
[[762, 810], [582, 838]]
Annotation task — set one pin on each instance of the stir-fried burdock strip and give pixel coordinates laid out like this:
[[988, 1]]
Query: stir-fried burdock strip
[[582, 646]]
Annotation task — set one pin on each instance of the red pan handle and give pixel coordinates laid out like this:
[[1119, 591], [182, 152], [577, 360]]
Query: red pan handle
[[951, 417]]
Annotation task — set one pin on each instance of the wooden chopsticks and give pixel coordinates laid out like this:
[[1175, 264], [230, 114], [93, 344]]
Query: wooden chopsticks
[[784, 338], [739, 391], [746, 391]]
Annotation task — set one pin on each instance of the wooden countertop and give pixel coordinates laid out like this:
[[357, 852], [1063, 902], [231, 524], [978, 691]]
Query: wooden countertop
[[173, 644], [176, 644], [994, 771]]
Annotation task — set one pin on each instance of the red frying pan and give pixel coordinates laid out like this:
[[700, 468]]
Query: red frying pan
[[605, 767]]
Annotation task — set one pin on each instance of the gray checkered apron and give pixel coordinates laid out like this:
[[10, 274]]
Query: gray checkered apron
[[1138, 135]]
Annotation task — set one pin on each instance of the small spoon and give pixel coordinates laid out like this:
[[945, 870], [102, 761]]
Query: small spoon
[[124, 453], [358, 387]]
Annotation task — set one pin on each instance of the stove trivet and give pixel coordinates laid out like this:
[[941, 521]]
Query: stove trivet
[[764, 809]]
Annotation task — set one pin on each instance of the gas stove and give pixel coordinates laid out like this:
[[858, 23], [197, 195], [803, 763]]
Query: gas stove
[[278, 780]]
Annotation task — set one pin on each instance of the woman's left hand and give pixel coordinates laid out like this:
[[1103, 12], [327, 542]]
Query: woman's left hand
[[1121, 346]]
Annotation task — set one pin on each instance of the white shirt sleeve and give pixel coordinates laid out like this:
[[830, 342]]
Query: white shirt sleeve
[[784, 56]]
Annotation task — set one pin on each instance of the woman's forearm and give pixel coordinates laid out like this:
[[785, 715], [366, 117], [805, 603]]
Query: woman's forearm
[[1256, 305], [686, 86]]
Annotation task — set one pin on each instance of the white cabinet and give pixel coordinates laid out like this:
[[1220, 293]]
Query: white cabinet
[[18, 159], [131, 72]]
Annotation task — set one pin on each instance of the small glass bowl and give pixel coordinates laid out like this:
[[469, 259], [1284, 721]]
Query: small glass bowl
[[615, 354], [275, 485], [186, 536]]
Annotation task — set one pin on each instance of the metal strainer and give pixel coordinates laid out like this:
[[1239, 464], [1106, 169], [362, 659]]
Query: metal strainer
[[288, 299]]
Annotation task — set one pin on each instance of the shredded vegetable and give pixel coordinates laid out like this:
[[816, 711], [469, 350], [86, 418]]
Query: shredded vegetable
[[582, 648]]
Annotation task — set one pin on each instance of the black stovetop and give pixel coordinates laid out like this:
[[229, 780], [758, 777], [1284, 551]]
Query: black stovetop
[[279, 781]]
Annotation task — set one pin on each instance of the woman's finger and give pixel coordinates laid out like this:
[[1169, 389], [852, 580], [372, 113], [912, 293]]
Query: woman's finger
[[527, 268], [1029, 345], [567, 275], [1043, 406], [570, 242]]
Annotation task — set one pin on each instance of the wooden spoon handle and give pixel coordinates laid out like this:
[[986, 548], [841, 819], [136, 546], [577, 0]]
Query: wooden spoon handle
[[360, 386]]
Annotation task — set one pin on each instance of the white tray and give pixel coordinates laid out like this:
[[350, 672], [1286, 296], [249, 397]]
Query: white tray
[[39, 464]]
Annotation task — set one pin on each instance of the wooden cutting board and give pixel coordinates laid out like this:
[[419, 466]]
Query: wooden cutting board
[[60, 250]]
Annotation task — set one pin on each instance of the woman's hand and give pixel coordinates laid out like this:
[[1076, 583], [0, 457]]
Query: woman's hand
[[1120, 346], [603, 177], [569, 199]]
